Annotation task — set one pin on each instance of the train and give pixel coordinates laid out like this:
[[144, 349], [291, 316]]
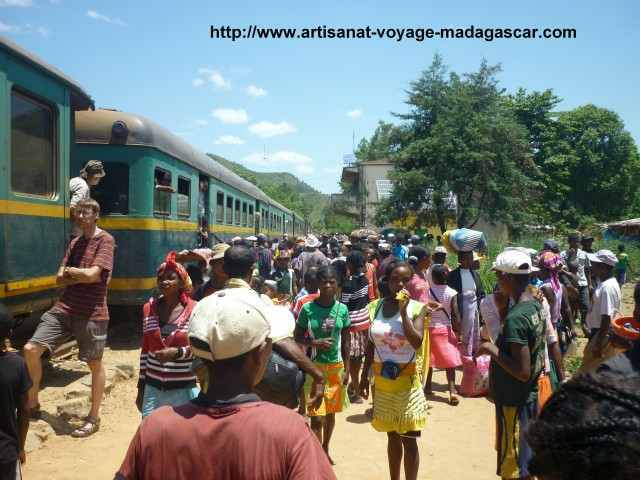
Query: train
[[50, 129]]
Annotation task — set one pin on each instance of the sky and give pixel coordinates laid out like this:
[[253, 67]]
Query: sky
[[303, 101]]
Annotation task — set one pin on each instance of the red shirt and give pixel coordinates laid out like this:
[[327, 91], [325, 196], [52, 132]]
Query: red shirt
[[300, 303], [244, 441], [88, 299]]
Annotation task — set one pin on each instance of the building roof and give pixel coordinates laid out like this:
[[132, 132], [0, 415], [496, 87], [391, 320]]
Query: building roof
[[80, 99], [121, 128]]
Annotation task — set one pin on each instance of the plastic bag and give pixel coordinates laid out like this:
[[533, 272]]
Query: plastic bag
[[464, 240], [475, 376]]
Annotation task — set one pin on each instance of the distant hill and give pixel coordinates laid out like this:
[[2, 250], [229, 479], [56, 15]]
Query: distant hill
[[284, 188]]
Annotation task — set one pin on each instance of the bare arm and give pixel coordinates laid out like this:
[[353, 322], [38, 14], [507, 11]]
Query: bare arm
[[345, 342], [455, 315], [85, 275], [556, 356], [289, 349], [517, 363], [566, 309], [23, 425], [413, 328]]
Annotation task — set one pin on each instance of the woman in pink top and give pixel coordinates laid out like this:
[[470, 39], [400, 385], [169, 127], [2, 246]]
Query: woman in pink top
[[418, 287], [444, 322]]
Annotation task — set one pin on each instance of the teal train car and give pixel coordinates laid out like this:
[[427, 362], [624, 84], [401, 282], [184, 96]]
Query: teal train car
[[156, 194], [37, 105]]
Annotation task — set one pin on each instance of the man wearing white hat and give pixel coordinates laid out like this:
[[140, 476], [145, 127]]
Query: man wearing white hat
[[232, 332], [517, 361], [606, 300]]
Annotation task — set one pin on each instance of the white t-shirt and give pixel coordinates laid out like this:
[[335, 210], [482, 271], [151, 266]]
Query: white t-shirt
[[606, 300], [79, 190], [467, 280], [389, 338]]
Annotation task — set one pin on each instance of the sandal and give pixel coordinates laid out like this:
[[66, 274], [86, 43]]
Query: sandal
[[35, 413], [454, 400], [91, 426]]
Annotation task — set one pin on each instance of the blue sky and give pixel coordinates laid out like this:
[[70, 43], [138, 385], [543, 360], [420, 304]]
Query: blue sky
[[302, 100]]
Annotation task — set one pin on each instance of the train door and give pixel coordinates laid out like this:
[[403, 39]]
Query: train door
[[204, 211]]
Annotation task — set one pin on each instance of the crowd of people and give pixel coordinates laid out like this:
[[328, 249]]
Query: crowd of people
[[250, 349]]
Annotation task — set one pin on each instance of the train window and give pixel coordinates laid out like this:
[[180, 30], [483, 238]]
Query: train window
[[184, 197], [229, 211], [244, 214], [34, 168], [162, 192], [220, 208], [237, 212], [112, 193], [251, 219]]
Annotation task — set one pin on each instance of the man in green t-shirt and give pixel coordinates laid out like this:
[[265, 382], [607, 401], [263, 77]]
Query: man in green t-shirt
[[623, 266], [517, 359]]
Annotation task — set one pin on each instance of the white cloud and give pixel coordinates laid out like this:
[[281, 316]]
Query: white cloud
[[25, 29], [215, 77], [357, 113], [299, 163], [230, 115], [197, 82], [16, 3], [256, 91], [99, 16], [229, 140], [270, 129]]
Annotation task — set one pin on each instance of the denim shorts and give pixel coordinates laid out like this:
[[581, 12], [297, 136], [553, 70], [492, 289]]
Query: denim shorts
[[155, 398]]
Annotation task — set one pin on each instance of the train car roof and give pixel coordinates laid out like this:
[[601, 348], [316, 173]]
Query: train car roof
[[97, 127], [79, 98]]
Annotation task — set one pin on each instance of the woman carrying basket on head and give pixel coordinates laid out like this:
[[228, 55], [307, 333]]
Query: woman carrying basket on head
[[395, 343]]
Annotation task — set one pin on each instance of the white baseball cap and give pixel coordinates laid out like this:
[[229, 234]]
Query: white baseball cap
[[252, 238], [603, 256], [440, 249], [236, 239], [234, 321], [515, 262]]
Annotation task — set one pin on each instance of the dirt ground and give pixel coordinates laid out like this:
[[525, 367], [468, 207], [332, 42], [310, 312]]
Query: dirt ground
[[457, 442]]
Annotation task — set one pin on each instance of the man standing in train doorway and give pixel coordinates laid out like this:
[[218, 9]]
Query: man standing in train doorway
[[81, 312], [79, 189]]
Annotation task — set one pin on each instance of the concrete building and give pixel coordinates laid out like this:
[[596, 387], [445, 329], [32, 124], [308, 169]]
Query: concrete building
[[364, 184]]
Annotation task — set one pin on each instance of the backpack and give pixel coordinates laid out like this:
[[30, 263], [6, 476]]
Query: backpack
[[281, 383]]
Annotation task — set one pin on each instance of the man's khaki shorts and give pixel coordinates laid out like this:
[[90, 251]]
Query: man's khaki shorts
[[56, 328]]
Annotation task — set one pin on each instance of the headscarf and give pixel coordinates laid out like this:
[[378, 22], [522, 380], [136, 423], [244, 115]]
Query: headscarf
[[171, 265], [552, 262]]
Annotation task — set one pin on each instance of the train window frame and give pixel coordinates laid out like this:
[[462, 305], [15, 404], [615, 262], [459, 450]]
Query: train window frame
[[54, 145], [251, 219], [245, 221], [117, 186], [229, 210], [237, 206], [188, 195], [220, 207], [162, 191]]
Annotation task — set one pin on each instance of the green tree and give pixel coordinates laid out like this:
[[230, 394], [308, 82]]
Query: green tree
[[599, 165], [460, 137]]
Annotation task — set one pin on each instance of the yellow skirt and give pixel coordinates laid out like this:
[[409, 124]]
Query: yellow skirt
[[399, 405], [335, 393]]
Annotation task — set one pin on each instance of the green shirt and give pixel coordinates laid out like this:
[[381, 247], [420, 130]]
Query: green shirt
[[623, 262], [325, 322], [524, 325]]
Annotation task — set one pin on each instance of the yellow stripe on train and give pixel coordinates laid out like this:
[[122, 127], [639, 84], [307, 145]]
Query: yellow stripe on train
[[13, 207], [29, 285]]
